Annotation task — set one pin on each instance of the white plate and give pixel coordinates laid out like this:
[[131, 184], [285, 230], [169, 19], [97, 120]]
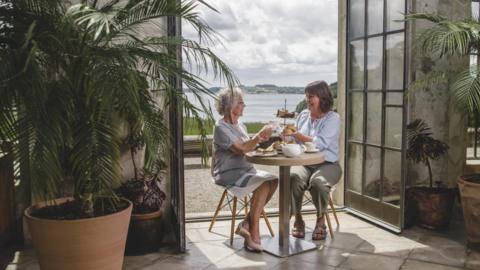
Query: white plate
[[267, 154], [312, 151]]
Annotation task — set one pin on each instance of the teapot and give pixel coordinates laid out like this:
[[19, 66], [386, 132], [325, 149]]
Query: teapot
[[292, 150]]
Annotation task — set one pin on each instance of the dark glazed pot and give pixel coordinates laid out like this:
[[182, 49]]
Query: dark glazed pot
[[434, 207], [144, 233]]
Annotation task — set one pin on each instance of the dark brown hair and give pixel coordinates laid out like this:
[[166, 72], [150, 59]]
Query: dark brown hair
[[321, 90]]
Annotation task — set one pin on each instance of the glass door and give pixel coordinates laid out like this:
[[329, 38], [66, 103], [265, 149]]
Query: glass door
[[374, 158]]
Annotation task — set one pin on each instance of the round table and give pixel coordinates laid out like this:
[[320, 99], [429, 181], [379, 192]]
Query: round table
[[283, 245]]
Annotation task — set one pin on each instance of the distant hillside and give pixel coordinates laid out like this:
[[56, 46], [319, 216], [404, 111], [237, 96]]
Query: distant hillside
[[273, 89]]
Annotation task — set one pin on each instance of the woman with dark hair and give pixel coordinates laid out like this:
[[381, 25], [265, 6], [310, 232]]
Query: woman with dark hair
[[320, 125]]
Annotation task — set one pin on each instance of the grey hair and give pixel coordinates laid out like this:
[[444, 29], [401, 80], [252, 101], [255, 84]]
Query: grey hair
[[226, 99]]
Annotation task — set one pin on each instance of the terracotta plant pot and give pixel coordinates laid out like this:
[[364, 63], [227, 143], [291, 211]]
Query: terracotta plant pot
[[434, 207], [469, 186], [92, 243], [144, 233]]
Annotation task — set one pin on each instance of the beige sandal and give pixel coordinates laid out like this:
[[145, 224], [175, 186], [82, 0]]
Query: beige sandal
[[298, 230]]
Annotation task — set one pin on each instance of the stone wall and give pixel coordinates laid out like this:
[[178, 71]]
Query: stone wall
[[434, 104]]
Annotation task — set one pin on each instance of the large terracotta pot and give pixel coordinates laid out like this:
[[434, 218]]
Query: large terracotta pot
[[83, 244], [469, 186], [144, 233], [434, 207]]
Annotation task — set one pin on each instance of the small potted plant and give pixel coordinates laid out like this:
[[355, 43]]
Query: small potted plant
[[144, 191], [433, 203]]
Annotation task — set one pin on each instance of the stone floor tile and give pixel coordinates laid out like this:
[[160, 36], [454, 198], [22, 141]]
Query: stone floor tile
[[175, 263], [27, 266], [349, 221], [363, 261], [419, 265], [298, 264], [323, 256], [247, 260], [389, 244], [473, 260], [344, 240], [210, 252], [439, 249], [137, 262]]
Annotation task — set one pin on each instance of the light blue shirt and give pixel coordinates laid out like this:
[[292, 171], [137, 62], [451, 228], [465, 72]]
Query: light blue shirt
[[325, 132]]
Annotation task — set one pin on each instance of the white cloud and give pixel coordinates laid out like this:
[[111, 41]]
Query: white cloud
[[282, 42]]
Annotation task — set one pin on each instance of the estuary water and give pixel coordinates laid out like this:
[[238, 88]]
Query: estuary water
[[259, 107]]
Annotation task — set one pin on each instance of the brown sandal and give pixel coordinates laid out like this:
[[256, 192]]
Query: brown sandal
[[298, 230], [319, 233]]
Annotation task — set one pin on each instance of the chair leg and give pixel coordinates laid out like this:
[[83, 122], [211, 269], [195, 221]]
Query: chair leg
[[327, 216], [246, 205], [268, 223], [217, 210], [330, 202], [234, 214]]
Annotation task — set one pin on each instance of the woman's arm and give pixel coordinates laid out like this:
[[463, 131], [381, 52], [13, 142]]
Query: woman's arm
[[241, 147], [325, 136], [302, 137]]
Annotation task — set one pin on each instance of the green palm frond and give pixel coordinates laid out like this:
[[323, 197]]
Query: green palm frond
[[447, 38], [466, 89], [70, 74]]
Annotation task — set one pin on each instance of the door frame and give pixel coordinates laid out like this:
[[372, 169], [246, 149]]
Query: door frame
[[177, 183], [381, 205]]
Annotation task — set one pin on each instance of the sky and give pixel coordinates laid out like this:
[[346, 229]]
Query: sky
[[281, 42]]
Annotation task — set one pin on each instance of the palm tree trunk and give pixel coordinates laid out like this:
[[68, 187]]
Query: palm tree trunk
[[132, 154], [430, 173]]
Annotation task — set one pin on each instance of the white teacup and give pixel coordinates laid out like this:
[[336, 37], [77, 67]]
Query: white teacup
[[292, 150], [310, 146]]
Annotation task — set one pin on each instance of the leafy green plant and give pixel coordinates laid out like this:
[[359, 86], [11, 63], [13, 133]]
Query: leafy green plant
[[422, 147], [73, 75], [450, 38]]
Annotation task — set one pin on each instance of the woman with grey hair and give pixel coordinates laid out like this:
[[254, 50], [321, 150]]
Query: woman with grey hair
[[231, 169], [320, 125]]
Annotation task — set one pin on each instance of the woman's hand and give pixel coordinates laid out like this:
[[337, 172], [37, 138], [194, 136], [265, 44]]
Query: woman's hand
[[302, 137], [265, 133]]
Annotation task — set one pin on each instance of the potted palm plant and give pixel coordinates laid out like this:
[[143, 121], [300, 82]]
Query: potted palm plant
[[456, 38], [70, 76], [433, 203], [144, 191]]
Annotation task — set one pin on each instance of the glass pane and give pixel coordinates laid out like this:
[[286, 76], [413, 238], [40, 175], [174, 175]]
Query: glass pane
[[356, 116], [374, 118], [392, 177], [395, 9], [356, 64], [375, 63], [357, 18], [394, 53], [473, 60], [372, 172], [355, 157], [475, 10], [394, 98], [393, 127], [375, 16]]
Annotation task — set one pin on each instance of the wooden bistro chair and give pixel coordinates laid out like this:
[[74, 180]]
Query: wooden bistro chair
[[308, 200], [231, 202]]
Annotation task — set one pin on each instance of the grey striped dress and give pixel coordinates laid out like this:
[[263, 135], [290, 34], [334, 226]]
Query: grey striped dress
[[230, 169]]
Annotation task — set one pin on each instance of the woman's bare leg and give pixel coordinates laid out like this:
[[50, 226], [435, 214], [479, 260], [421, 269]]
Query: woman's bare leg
[[257, 204], [273, 187]]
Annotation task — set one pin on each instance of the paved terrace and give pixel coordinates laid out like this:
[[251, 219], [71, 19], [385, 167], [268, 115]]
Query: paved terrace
[[357, 245]]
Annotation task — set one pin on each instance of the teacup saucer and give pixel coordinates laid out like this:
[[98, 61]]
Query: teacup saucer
[[312, 151]]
